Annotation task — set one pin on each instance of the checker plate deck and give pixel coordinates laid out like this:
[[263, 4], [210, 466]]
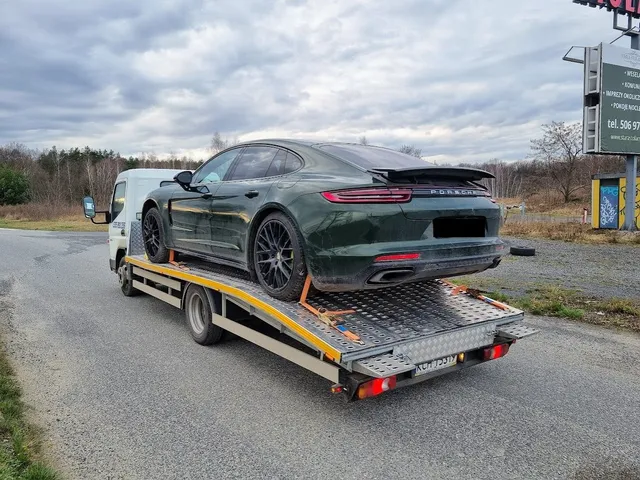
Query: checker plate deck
[[384, 319]]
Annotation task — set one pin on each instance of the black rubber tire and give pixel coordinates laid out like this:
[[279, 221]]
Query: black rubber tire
[[523, 251], [292, 290], [125, 286], [199, 313], [162, 255]]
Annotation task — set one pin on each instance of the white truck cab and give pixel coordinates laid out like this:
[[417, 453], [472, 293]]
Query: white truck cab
[[129, 192]]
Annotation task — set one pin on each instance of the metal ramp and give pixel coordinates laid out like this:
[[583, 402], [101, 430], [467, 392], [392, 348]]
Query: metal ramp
[[400, 327]]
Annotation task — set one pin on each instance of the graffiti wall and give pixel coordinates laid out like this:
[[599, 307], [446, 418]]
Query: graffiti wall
[[621, 206], [609, 201], [608, 197]]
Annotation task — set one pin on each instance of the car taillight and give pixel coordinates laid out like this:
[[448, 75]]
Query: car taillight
[[369, 195], [496, 351], [398, 258], [376, 387]]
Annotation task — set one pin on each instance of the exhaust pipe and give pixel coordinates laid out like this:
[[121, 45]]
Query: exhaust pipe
[[396, 275]]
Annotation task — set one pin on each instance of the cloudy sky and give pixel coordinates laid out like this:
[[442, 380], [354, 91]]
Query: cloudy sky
[[464, 80]]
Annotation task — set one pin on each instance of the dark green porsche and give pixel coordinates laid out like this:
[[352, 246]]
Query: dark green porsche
[[350, 216]]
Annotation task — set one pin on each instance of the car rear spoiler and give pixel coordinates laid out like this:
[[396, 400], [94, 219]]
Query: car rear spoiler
[[461, 173]]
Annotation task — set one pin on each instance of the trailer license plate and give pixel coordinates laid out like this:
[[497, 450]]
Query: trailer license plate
[[434, 365]]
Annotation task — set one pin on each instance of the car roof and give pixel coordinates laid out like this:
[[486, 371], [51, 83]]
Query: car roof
[[291, 142]]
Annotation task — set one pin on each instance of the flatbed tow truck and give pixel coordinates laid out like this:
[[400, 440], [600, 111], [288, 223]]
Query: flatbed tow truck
[[365, 343]]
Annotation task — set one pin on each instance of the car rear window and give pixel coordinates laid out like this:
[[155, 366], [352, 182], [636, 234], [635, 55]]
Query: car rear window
[[372, 157]]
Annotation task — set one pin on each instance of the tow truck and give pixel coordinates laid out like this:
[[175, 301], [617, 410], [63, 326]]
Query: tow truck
[[364, 343]]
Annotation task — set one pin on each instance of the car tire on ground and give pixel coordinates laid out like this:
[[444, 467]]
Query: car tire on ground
[[153, 236], [522, 251], [198, 309], [125, 284], [278, 259]]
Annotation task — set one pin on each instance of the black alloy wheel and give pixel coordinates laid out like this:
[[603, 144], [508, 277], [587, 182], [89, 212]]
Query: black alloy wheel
[[153, 237], [278, 259]]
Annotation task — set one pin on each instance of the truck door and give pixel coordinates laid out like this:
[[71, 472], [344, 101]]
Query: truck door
[[117, 227]]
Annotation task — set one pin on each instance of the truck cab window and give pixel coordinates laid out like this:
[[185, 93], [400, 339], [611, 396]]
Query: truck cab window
[[117, 204]]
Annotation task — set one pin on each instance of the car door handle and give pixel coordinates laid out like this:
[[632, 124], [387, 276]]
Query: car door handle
[[252, 193]]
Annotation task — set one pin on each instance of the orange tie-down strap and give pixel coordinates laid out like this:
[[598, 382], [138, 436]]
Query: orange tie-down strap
[[328, 317], [456, 289], [172, 261]]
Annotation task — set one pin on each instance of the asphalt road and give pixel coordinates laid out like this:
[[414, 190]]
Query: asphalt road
[[123, 392]]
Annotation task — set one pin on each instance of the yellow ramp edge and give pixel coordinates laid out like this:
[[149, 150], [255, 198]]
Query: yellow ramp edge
[[250, 299]]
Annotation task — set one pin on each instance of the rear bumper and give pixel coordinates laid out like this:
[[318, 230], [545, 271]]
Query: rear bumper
[[329, 273]]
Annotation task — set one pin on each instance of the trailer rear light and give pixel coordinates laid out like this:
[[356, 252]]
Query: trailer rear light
[[496, 351], [369, 195], [376, 386], [398, 257]]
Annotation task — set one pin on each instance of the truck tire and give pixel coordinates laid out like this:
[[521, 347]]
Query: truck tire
[[199, 313], [523, 251], [153, 237], [123, 278]]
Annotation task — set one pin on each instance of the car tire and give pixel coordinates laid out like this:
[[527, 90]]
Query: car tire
[[271, 267], [198, 309], [125, 284], [522, 251], [153, 237]]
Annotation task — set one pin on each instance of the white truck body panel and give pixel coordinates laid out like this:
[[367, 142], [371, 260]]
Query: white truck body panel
[[137, 184]]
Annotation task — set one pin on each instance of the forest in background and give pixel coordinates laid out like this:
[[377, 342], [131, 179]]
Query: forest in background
[[555, 172]]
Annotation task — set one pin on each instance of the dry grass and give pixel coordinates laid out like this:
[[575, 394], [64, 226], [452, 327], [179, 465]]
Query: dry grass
[[549, 202], [569, 232], [39, 216]]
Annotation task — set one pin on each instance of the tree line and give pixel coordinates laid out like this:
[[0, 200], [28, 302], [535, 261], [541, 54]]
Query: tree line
[[63, 177]]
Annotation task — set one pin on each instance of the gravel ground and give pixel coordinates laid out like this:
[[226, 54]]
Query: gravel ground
[[123, 392], [604, 271]]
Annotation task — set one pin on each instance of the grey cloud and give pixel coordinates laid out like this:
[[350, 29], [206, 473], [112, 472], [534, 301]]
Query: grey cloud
[[102, 72]]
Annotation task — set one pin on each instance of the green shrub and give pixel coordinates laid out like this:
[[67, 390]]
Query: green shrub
[[14, 187]]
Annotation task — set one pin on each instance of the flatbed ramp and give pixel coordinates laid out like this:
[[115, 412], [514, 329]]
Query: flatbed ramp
[[399, 327], [395, 336]]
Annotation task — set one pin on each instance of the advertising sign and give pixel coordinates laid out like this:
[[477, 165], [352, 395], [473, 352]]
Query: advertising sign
[[620, 100], [612, 100]]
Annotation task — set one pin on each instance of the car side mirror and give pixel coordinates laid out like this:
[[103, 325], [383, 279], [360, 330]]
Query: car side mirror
[[89, 207], [184, 179]]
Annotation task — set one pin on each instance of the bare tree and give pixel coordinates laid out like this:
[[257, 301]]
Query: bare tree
[[363, 140], [218, 143], [411, 150], [560, 150]]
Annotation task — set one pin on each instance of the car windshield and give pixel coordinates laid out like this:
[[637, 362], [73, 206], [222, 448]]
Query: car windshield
[[372, 157]]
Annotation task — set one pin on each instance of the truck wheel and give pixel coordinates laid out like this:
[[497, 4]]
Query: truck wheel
[[123, 279], [199, 312], [153, 236]]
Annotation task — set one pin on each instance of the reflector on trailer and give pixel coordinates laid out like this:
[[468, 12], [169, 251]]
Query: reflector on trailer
[[496, 351], [376, 387]]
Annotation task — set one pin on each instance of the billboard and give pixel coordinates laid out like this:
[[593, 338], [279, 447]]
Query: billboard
[[612, 100], [624, 7]]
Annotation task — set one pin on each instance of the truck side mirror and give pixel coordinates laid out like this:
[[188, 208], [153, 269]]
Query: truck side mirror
[[89, 207], [184, 179], [90, 212]]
